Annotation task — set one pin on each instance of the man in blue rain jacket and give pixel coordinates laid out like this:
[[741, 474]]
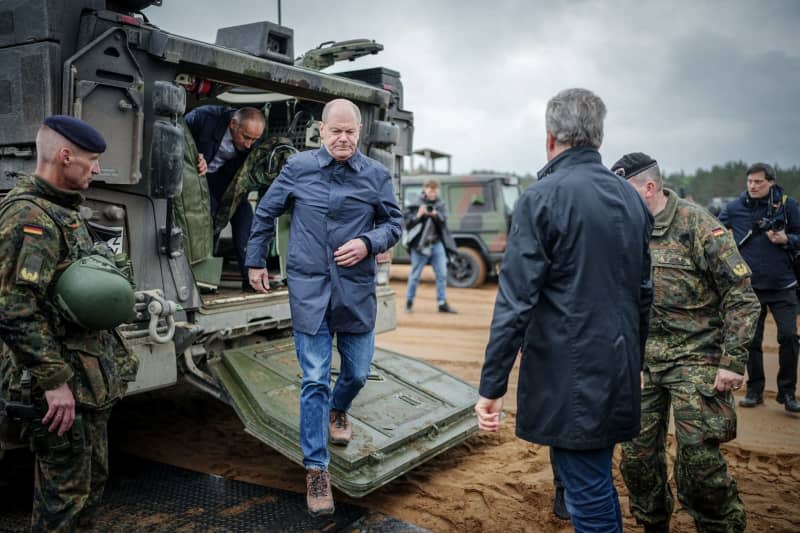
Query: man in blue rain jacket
[[344, 211]]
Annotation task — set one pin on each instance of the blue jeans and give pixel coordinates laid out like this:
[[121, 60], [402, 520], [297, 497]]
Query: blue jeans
[[589, 490], [438, 260], [314, 352]]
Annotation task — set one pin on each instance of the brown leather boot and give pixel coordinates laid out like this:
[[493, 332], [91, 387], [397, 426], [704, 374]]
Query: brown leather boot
[[340, 429], [319, 497]]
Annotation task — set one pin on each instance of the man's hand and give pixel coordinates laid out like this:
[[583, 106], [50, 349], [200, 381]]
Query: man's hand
[[778, 237], [422, 212], [488, 412], [727, 380], [60, 409], [202, 166], [259, 279], [350, 253]]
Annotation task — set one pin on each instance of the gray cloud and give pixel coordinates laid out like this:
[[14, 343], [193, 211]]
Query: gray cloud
[[693, 83]]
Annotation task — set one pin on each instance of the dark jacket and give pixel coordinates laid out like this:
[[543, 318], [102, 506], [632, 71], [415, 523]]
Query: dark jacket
[[423, 232], [574, 294], [208, 125], [771, 264], [331, 203]]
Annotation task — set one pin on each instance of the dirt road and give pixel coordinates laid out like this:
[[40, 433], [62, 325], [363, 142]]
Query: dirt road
[[492, 483]]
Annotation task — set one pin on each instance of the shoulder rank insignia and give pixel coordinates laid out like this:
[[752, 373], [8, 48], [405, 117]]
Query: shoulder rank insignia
[[716, 232], [29, 276], [30, 229], [29, 269], [740, 269]]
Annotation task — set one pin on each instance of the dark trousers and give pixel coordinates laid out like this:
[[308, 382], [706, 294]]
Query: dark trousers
[[556, 478], [589, 490], [783, 305], [241, 220], [69, 482]]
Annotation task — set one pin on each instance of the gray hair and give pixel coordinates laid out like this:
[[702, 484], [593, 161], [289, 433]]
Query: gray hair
[[326, 111], [248, 114], [651, 174], [574, 117]]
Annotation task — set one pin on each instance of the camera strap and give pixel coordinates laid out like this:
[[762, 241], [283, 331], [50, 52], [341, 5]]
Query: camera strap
[[784, 199]]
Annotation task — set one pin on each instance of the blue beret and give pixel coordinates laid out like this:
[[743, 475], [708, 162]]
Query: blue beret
[[79, 132]]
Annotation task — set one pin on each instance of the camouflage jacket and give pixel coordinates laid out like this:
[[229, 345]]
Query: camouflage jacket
[[41, 233], [704, 310], [259, 170]]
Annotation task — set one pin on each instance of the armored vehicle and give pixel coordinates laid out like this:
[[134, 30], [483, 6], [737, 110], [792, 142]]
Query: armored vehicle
[[479, 210], [103, 61]]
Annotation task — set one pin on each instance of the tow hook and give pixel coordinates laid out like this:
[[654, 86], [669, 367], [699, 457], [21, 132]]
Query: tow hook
[[158, 308]]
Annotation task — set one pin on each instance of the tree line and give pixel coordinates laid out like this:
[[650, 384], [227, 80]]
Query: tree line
[[729, 179], [702, 186]]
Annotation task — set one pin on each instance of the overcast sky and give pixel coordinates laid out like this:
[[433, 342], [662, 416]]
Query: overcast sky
[[691, 83]]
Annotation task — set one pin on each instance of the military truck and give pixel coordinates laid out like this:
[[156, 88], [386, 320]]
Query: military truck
[[479, 217], [103, 61]]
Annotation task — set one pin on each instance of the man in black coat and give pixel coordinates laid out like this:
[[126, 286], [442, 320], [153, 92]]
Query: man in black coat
[[224, 137], [574, 294], [766, 225]]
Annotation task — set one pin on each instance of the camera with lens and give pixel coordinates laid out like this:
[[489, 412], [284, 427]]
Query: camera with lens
[[767, 224], [430, 206]]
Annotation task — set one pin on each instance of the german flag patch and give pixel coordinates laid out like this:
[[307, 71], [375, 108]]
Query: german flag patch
[[29, 229], [717, 232]]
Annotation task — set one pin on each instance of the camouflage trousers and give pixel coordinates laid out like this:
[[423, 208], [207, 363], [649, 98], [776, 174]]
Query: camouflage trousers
[[71, 472], [703, 419]]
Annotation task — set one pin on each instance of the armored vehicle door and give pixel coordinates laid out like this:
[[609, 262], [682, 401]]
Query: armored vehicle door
[[408, 411], [104, 85]]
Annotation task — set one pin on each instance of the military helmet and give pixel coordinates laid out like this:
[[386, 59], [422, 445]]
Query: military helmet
[[94, 294]]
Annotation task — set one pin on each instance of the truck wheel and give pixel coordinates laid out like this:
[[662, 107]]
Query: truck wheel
[[467, 269]]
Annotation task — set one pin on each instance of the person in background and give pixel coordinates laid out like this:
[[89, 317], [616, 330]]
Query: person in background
[[224, 138], [766, 226], [427, 221]]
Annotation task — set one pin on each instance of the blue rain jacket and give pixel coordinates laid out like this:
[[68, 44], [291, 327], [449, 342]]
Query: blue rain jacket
[[331, 202]]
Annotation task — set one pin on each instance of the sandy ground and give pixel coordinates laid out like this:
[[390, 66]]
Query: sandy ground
[[492, 483]]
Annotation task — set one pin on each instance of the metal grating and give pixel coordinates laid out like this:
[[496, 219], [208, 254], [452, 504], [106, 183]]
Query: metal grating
[[149, 496]]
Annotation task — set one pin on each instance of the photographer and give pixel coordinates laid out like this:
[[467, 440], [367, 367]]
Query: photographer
[[426, 235], [766, 226]]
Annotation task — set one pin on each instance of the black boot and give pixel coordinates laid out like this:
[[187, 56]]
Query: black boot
[[409, 305], [657, 528], [559, 505], [751, 400], [789, 402], [444, 308]]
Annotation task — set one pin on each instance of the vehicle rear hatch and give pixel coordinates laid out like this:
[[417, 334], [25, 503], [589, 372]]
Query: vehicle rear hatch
[[408, 412]]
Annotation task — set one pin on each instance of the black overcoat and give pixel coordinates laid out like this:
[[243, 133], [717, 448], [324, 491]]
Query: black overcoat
[[574, 294]]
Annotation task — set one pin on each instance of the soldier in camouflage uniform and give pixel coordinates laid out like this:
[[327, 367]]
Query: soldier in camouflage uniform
[[703, 317], [74, 374]]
